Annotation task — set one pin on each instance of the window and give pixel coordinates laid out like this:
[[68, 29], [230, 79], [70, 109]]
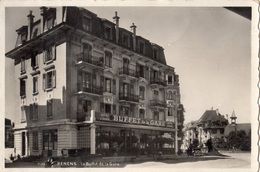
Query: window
[[50, 22], [108, 108], [49, 80], [222, 131], [35, 84], [87, 49], [108, 32], [155, 95], [124, 111], [170, 111], [214, 131], [155, 53], [50, 138], [141, 92], [23, 65], [125, 40], [108, 85], [35, 140], [141, 47], [125, 87], [86, 80], [125, 63], [170, 79], [156, 115], [169, 95], [34, 111], [141, 113], [22, 88], [86, 23], [114, 109], [141, 71], [50, 108], [49, 54], [34, 60], [108, 59]]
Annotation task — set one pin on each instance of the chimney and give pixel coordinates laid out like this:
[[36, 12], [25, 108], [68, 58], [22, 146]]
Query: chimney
[[116, 18], [217, 112], [133, 27], [43, 12], [30, 25], [227, 117]]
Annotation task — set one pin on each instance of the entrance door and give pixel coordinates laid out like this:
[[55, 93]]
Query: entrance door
[[23, 143]]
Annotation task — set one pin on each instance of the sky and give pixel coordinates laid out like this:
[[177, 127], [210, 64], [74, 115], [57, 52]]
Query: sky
[[209, 47]]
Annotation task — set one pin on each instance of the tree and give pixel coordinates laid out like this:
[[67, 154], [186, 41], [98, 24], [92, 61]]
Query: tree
[[240, 140]]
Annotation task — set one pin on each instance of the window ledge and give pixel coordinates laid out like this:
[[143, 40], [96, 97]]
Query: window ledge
[[23, 72], [35, 93], [48, 89], [23, 96], [49, 67]]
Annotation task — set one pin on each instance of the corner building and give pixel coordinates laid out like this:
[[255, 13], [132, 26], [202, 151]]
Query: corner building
[[84, 82]]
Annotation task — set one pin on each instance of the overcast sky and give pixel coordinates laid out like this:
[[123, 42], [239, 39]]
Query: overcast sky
[[208, 47]]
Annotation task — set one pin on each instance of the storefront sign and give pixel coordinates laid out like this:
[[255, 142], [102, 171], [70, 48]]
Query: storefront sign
[[134, 120]]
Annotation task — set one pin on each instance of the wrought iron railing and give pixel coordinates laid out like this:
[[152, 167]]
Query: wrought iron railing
[[87, 58], [129, 97], [158, 81], [159, 103], [129, 72], [89, 88]]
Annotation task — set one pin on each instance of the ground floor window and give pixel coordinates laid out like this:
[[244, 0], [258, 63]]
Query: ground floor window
[[50, 139]]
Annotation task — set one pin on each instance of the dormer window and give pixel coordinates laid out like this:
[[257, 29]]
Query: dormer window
[[108, 32], [86, 23], [170, 80], [125, 40], [155, 53], [141, 47], [50, 22], [23, 38]]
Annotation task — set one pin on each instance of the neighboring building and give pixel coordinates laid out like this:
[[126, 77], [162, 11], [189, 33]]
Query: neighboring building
[[9, 137], [189, 134], [82, 80], [234, 126], [211, 124]]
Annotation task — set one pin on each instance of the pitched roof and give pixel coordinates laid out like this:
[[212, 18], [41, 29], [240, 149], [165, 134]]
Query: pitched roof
[[243, 126], [212, 115]]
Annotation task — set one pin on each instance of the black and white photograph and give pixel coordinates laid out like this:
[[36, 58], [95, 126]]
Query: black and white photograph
[[130, 86]]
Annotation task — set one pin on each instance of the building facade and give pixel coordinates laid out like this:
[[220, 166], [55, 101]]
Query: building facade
[[82, 81], [210, 125]]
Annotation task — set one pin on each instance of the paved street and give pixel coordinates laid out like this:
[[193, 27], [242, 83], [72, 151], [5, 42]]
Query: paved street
[[234, 160]]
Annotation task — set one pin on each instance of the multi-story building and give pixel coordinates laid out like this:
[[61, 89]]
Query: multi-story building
[[82, 81], [210, 125]]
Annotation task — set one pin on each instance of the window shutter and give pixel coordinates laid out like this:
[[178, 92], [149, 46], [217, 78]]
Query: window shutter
[[53, 52], [131, 89], [114, 109], [53, 78], [120, 110], [114, 86], [44, 53], [102, 82], [101, 107], [44, 81]]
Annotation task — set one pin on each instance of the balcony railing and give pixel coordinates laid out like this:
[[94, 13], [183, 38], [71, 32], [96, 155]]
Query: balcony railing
[[94, 89], [87, 58], [129, 97], [158, 81], [129, 72], [83, 116], [158, 103]]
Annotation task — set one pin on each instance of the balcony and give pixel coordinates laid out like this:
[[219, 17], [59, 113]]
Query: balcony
[[83, 116], [90, 60], [89, 89], [129, 97], [158, 103], [128, 72], [158, 81]]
